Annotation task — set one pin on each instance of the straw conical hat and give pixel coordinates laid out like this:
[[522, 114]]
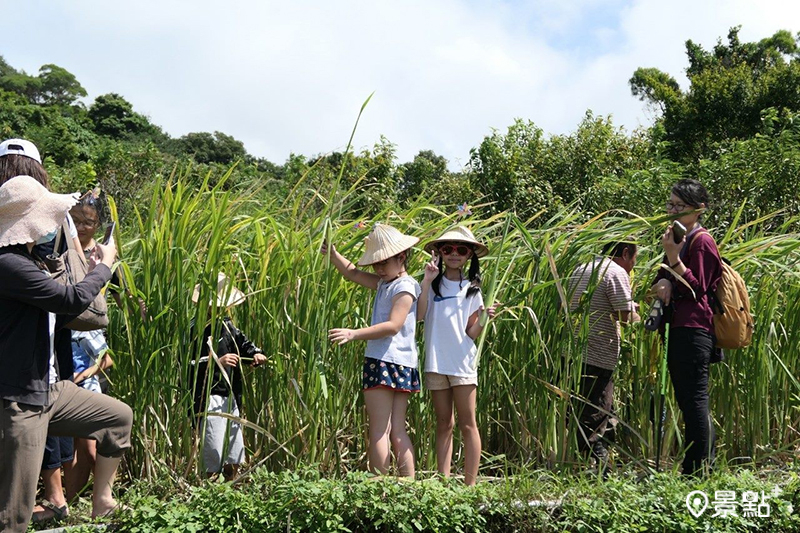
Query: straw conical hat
[[29, 211], [226, 296], [459, 234], [384, 242]]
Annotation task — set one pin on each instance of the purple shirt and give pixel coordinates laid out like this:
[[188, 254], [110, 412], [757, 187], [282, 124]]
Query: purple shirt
[[703, 272]]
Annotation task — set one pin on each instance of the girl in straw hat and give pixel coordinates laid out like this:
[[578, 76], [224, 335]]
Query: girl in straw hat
[[224, 395], [451, 307], [33, 401], [390, 364]]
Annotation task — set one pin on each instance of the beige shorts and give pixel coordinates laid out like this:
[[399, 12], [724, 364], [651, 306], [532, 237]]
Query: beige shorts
[[434, 381]]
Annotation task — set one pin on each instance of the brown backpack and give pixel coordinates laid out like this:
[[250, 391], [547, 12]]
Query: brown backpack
[[69, 268], [733, 323]]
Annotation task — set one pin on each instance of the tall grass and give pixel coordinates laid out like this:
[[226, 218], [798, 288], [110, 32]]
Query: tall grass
[[306, 407]]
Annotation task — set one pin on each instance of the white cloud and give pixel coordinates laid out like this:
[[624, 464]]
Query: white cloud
[[290, 76]]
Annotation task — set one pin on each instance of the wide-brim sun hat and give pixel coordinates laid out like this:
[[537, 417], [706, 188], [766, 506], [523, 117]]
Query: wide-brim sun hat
[[459, 234], [20, 147], [227, 294], [28, 211], [384, 242]]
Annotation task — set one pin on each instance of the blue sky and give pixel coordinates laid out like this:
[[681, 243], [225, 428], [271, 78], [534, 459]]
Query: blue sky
[[290, 76]]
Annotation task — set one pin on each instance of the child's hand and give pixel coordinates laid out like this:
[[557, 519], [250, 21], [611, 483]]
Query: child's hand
[[431, 268], [229, 359], [341, 335], [491, 310], [259, 359], [324, 248]]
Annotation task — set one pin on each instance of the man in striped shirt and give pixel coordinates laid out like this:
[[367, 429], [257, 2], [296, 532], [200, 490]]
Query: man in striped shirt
[[604, 286]]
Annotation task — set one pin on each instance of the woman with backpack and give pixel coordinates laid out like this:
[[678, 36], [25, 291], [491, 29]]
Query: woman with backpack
[[686, 289]]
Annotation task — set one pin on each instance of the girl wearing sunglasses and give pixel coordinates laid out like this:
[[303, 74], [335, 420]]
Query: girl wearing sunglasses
[[451, 307]]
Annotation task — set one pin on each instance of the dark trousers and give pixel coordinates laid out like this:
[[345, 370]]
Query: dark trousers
[[688, 358], [597, 386]]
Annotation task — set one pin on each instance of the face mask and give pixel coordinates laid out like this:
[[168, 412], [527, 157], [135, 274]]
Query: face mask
[[47, 238]]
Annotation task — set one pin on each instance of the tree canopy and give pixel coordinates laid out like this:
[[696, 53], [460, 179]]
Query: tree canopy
[[730, 87]]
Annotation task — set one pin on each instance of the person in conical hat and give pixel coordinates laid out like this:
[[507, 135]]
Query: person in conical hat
[[390, 363], [451, 306], [227, 294], [221, 454]]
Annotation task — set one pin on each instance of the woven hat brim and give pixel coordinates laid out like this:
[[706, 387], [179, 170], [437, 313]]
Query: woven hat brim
[[47, 214], [375, 256], [233, 297], [480, 249]]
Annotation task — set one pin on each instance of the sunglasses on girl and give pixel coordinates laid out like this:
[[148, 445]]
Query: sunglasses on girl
[[460, 249]]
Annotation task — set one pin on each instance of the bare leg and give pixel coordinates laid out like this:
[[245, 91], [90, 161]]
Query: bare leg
[[53, 492], [443, 407], [403, 449], [77, 478], [105, 470], [379, 410], [465, 399]]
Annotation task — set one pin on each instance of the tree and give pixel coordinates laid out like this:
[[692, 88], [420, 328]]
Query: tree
[[730, 87], [53, 86], [113, 116], [423, 172], [576, 164], [58, 86], [207, 148], [503, 169], [18, 82]]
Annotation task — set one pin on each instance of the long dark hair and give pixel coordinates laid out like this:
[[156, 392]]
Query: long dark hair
[[13, 165], [474, 276]]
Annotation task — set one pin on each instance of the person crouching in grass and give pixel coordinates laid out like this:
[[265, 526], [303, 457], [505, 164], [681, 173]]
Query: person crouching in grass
[[224, 393]]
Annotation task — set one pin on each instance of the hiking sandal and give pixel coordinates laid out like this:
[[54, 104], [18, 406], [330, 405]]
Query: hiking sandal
[[653, 321], [58, 513]]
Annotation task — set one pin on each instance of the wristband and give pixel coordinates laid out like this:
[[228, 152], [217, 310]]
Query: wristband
[[678, 262]]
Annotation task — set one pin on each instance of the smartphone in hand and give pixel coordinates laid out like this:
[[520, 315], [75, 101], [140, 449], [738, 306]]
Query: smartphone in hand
[[109, 232], [678, 231]]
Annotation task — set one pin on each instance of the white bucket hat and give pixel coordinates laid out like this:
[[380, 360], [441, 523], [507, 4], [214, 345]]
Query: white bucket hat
[[459, 234], [384, 242], [29, 211], [20, 147], [226, 296]]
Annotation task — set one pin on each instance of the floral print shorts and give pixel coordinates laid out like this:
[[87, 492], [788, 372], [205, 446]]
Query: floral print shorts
[[397, 377]]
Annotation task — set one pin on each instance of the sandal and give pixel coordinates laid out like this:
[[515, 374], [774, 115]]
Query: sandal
[[653, 321], [55, 513]]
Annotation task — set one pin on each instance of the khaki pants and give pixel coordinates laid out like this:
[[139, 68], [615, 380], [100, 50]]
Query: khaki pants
[[73, 412]]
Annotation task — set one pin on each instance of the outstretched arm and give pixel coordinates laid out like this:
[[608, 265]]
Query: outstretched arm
[[401, 306], [349, 271]]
